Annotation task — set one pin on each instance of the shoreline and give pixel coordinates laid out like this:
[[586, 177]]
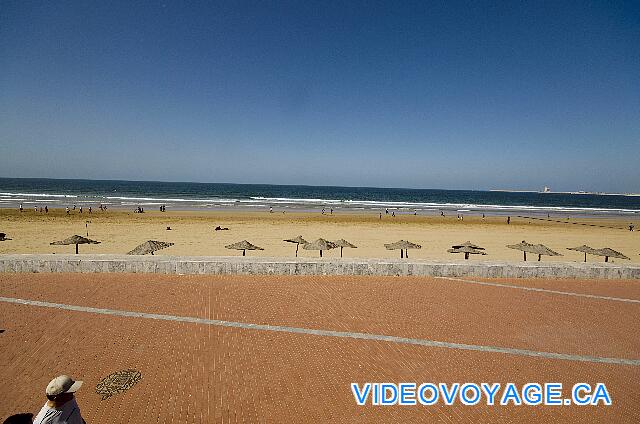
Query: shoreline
[[331, 209]]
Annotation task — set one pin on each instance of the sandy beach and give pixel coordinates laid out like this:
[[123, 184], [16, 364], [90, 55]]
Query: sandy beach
[[193, 233]]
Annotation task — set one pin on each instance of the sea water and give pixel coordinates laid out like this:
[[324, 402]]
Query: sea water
[[59, 193]]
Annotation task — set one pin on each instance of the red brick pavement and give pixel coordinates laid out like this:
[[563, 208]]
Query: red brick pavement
[[194, 373]]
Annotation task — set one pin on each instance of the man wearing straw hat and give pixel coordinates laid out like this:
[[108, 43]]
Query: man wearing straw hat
[[61, 406]]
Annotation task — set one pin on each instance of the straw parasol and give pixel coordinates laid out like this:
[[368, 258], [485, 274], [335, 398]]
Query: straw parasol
[[537, 249], [468, 244], [342, 243], [298, 241], [607, 252], [149, 246], [403, 245], [584, 249], [75, 240], [244, 246], [467, 250], [320, 244]]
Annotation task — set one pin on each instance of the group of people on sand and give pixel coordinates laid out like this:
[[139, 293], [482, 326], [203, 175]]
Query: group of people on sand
[[35, 209], [45, 209]]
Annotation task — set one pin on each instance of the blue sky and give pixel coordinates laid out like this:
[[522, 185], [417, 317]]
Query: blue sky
[[475, 95]]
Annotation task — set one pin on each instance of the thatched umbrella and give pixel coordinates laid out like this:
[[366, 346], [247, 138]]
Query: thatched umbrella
[[342, 243], [244, 246], [75, 240], [149, 246], [467, 250], [537, 249], [584, 249], [320, 244], [467, 244], [298, 241], [403, 245], [607, 252]]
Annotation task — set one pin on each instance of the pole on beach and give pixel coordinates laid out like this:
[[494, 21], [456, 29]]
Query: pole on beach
[[525, 256], [76, 248]]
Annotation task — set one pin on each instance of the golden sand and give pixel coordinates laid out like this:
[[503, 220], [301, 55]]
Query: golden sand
[[193, 233]]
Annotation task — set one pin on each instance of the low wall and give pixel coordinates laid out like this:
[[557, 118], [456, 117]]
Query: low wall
[[226, 265]]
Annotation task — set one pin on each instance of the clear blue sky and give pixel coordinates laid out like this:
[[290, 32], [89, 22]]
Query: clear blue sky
[[475, 95]]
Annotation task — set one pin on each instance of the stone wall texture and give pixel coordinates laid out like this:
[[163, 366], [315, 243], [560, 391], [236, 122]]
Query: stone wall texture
[[227, 265]]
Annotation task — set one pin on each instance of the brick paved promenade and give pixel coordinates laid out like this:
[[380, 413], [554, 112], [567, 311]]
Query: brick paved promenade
[[200, 372]]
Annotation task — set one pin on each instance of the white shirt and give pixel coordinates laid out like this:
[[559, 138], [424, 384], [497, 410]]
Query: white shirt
[[68, 414]]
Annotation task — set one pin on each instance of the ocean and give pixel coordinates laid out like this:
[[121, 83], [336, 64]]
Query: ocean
[[60, 193]]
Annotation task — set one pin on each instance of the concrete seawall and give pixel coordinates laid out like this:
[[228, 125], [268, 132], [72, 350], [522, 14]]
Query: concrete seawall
[[226, 265]]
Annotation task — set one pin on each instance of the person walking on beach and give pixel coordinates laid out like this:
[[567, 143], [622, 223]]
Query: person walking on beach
[[508, 220], [46, 209], [631, 226], [61, 406], [80, 209], [89, 209], [20, 207], [67, 209]]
